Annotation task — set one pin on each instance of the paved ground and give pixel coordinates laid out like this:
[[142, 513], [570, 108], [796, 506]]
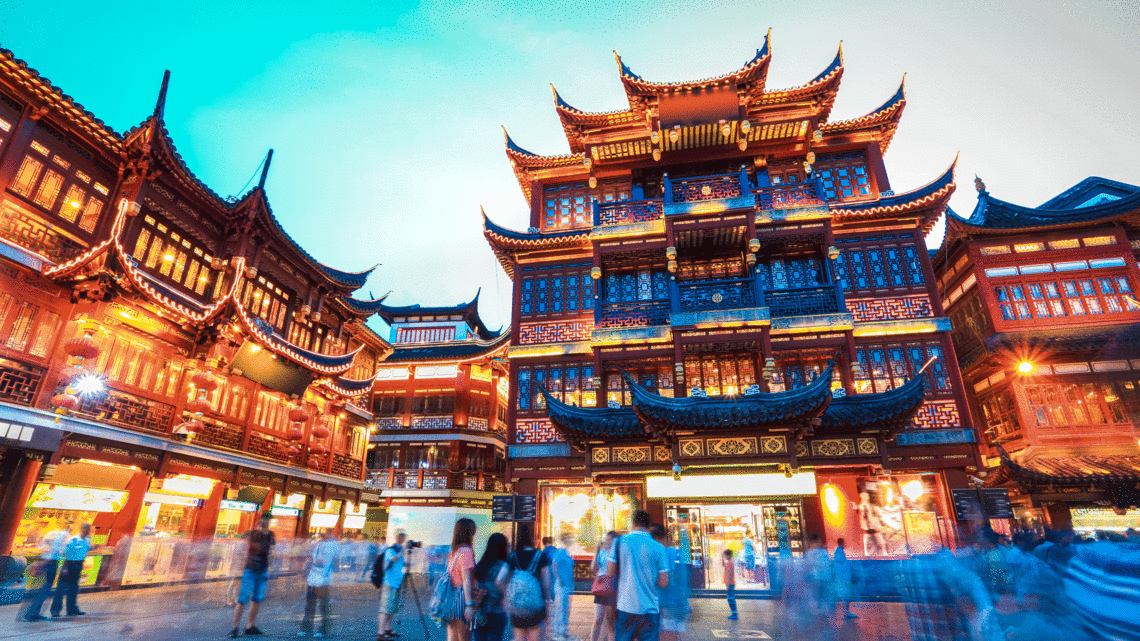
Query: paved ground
[[199, 611]]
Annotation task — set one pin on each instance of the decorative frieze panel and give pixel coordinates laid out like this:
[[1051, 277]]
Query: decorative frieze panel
[[470, 482], [878, 309], [662, 453], [732, 446], [938, 415], [802, 448], [476, 423], [867, 445], [432, 422], [693, 447], [631, 454], [833, 447], [536, 432], [555, 332], [600, 455], [774, 444], [389, 423]]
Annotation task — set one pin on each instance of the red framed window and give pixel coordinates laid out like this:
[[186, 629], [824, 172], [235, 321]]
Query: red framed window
[[1065, 297]]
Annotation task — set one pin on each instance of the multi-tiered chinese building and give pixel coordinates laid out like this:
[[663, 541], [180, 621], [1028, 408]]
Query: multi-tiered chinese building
[[171, 362], [724, 314], [1044, 307], [439, 451]]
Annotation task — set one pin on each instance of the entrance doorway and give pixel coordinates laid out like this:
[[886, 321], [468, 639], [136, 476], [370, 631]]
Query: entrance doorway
[[759, 535]]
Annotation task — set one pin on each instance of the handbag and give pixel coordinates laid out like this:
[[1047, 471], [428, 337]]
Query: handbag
[[447, 600], [606, 586]]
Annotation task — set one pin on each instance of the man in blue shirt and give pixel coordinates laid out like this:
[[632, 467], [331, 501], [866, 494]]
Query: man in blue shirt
[[51, 551], [642, 566], [390, 571], [74, 554], [562, 567]]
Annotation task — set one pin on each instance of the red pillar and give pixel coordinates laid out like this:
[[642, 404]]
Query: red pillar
[[208, 517], [25, 472], [127, 519]]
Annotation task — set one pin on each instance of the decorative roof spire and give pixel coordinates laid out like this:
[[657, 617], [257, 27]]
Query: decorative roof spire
[[265, 170], [160, 106], [979, 185]]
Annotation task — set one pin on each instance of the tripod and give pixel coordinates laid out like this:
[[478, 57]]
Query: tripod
[[404, 584]]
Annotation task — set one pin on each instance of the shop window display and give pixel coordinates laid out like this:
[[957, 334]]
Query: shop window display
[[586, 513], [885, 516]]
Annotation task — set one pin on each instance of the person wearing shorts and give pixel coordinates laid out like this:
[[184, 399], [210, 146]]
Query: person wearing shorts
[[255, 576], [391, 565]]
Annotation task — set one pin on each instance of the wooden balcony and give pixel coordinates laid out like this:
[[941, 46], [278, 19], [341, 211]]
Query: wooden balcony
[[789, 196], [630, 211], [805, 301], [420, 479]]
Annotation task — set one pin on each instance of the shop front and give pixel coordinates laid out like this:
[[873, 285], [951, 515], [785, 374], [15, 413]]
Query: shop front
[[165, 545], [286, 514], [326, 515]]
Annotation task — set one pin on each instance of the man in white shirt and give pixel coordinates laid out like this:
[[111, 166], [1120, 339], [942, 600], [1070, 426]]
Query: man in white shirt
[[321, 561], [642, 566], [51, 551], [74, 555]]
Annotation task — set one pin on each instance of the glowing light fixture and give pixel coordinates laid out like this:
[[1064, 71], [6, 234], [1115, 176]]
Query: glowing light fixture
[[74, 204], [1025, 367], [88, 384], [168, 257], [255, 348]]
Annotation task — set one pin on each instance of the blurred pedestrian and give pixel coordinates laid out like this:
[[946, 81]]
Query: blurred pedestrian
[[817, 572], [255, 576], [51, 552], [321, 561], [641, 567], [372, 551], [674, 598], [528, 590], [729, 569], [74, 554], [562, 574], [388, 575], [490, 575], [841, 578], [460, 563], [605, 607]]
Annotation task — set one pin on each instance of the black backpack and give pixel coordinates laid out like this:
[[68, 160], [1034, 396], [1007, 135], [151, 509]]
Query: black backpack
[[378, 569]]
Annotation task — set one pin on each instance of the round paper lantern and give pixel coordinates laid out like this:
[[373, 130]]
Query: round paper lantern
[[320, 431], [198, 406], [314, 461], [204, 380], [82, 346], [317, 448], [193, 426], [65, 401], [70, 373], [292, 451], [295, 434], [298, 414]]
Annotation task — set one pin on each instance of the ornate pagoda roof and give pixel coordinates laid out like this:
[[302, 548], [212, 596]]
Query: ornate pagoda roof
[[926, 203], [756, 411], [886, 118], [1067, 470], [754, 71], [348, 386], [890, 410], [505, 241], [467, 350], [363, 307], [992, 216], [821, 89], [469, 311], [581, 425]]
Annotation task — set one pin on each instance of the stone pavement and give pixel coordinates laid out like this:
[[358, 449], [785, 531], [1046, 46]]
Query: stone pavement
[[199, 612]]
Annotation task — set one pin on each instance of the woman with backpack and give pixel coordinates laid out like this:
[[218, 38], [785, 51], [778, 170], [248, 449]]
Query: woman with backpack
[[528, 587], [460, 563], [491, 621]]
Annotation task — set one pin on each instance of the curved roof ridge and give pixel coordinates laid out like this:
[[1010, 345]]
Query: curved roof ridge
[[935, 193], [579, 425], [631, 79], [898, 99], [516, 152], [993, 213], [891, 408], [836, 67], [492, 227]]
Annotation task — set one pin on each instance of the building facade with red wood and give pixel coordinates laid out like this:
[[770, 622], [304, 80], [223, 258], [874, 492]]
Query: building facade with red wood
[[725, 314], [1044, 308], [171, 362]]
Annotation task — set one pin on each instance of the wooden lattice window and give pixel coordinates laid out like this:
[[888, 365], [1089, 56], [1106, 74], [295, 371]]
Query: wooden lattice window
[[1059, 297], [129, 361], [798, 369], [169, 254], [656, 376], [266, 300], [889, 262], [44, 175], [785, 172], [389, 405], [556, 291], [1000, 412], [721, 374], [717, 268], [26, 326], [886, 366], [571, 383], [844, 177], [1081, 403], [570, 205]]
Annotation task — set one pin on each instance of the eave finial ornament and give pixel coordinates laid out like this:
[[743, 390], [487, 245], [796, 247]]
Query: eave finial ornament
[[979, 185]]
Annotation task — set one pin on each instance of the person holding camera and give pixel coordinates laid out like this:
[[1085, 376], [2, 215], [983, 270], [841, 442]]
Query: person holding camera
[[388, 575]]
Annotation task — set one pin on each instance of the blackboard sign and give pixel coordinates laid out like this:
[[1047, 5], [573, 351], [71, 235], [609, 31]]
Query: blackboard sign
[[526, 508], [995, 503], [966, 505], [502, 508]]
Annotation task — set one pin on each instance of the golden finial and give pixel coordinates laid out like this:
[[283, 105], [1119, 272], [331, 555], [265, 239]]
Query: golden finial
[[979, 185]]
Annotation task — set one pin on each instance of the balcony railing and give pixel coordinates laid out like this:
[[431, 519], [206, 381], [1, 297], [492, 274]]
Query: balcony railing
[[126, 410], [706, 187], [716, 294], [805, 301], [19, 382], [631, 211], [642, 313], [805, 194], [412, 479]]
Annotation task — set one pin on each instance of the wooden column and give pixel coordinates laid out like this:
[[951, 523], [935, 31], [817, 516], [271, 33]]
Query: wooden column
[[876, 168], [208, 517], [127, 519], [21, 473]]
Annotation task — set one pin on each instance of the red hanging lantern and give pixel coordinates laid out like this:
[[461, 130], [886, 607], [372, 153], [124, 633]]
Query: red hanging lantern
[[314, 461], [198, 406], [317, 448], [320, 431], [65, 401], [295, 434], [204, 380], [193, 426], [292, 451], [82, 346], [70, 373], [298, 414]]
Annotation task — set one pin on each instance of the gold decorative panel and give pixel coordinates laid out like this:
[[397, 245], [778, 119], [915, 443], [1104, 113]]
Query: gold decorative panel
[[867, 446], [600, 455], [833, 447], [662, 453], [801, 448], [732, 446], [774, 444], [631, 454], [693, 447]]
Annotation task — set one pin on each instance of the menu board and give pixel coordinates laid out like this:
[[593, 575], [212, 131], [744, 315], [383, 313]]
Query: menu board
[[526, 508], [502, 508], [995, 503], [966, 505], [522, 508]]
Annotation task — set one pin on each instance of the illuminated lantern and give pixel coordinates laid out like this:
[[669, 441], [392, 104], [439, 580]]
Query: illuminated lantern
[[314, 461], [317, 448], [656, 154], [292, 451], [198, 406], [70, 373], [193, 426], [204, 381], [295, 434], [593, 182], [82, 346], [320, 431], [65, 401], [298, 414]]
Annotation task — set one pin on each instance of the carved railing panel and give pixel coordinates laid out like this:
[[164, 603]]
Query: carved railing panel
[[791, 195], [637, 211], [716, 294], [803, 301], [19, 382], [634, 314]]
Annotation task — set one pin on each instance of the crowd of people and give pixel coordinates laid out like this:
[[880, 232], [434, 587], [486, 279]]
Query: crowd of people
[[1033, 585]]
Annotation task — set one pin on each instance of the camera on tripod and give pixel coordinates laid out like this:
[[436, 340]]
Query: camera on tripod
[[411, 545]]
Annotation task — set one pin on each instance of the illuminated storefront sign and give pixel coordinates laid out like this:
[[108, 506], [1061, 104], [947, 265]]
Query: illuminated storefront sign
[[731, 485], [171, 499], [284, 511], [241, 506], [63, 497]]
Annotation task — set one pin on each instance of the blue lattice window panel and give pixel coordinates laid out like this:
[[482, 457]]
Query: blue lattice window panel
[[571, 383], [557, 295], [843, 177], [557, 290], [542, 295], [913, 266], [566, 206], [572, 293], [526, 305], [523, 394], [885, 367], [727, 294], [891, 262], [653, 376]]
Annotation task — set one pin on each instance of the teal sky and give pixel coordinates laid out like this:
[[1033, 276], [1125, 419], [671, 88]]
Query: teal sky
[[385, 117]]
